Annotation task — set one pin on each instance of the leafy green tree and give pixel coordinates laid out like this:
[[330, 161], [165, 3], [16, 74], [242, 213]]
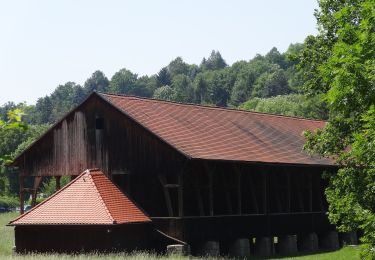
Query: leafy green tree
[[183, 88], [144, 86], [220, 84], [200, 89], [275, 57], [64, 98], [271, 84], [43, 111], [165, 93], [97, 82], [214, 62], [289, 105], [123, 82], [178, 66], [10, 133], [340, 63]]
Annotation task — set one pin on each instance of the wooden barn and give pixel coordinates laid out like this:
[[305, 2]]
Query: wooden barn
[[208, 176]]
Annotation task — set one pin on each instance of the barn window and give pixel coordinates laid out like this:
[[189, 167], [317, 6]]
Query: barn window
[[99, 123]]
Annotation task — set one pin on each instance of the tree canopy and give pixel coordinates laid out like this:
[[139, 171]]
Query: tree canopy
[[339, 63]]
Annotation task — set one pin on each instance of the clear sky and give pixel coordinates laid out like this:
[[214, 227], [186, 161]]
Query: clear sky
[[45, 43]]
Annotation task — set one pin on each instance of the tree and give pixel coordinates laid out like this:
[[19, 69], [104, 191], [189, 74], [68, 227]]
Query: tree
[[183, 88], [163, 78], [271, 84], [145, 86], [43, 111], [165, 93], [97, 82], [177, 67], [200, 89], [275, 57], [340, 63], [220, 84], [289, 105], [64, 98], [123, 82], [214, 62], [11, 130]]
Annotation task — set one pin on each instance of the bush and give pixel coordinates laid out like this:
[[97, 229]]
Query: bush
[[9, 202]]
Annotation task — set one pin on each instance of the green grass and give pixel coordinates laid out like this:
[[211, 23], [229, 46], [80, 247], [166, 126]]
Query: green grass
[[7, 242], [6, 233]]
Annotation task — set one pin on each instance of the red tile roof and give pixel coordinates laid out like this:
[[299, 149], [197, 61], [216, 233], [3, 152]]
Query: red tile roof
[[89, 199], [213, 133]]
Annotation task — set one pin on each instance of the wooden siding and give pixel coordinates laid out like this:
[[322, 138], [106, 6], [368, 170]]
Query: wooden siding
[[120, 147]]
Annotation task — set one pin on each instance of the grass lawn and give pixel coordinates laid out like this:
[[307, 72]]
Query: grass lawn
[[7, 242]]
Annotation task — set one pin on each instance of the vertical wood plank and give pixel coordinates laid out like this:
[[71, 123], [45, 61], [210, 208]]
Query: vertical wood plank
[[265, 204], [211, 193], [167, 196], [180, 195], [37, 181], [288, 192], [58, 183], [310, 187], [254, 199], [22, 199], [239, 193]]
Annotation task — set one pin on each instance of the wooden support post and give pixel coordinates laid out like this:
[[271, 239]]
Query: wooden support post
[[288, 192], [167, 196], [37, 181], [253, 194], [310, 192], [276, 192], [58, 184], [210, 173], [22, 199], [180, 195], [200, 201], [211, 193], [228, 200], [239, 193], [265, 199]]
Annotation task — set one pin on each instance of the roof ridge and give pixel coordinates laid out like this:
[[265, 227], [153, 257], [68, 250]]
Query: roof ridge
[[52, 196], [102, 200], [210, 107]]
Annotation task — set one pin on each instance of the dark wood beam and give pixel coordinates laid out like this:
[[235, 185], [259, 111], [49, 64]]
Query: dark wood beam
[[200, 201], [254, 199], [58, 182], [22, 199], [167, 196], [180, 195], [310, 188], [288, 192], [37, 181], [210, 173]]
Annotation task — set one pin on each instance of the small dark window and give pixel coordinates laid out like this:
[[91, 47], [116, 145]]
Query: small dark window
[[99, 123]]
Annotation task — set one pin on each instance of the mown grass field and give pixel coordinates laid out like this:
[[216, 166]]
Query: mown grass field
[[7, 242]]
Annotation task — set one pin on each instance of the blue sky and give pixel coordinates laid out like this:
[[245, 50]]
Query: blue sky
[[45, 43]]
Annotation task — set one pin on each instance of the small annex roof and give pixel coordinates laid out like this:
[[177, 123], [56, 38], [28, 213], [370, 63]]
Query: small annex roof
[[213, 133], [90, 199]]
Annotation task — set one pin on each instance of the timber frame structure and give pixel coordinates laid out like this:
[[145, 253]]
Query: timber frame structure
[[200, 173]]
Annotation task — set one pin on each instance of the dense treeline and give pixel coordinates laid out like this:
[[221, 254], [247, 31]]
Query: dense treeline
[[212, 82]]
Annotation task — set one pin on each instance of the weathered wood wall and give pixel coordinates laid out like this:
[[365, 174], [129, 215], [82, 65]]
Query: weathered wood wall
[[97, 135]]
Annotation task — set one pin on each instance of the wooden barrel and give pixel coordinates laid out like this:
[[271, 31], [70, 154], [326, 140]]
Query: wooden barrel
[[240, 248], [210, 248], [264, 246], [178, 249]]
